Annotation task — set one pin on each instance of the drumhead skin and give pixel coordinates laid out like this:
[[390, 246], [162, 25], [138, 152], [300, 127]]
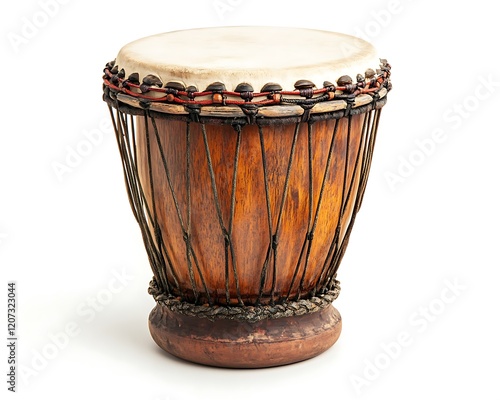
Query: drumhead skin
[[254, 55]]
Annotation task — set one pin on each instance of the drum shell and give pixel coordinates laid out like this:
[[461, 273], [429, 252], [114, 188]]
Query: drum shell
[[270, 231]]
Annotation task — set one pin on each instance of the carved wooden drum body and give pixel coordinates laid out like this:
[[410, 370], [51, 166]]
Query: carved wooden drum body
[[246, 153]]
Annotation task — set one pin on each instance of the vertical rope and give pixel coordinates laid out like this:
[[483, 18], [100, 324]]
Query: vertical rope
[[187, 238], [367, 137], [132, 187], [282, 207], [141, 204], [356, 166], [373, 137], [326, 175], [287, 179], [344, 184], [146, 210], [235, 176], [311, 173], [126, 176], [332, 247], [345, 240], [187, 231], [370, 117], [265, 267], [132, 125], [231, 215], [167, 172], [308, 235], [154, 221], [362, 185], [275, 236], [188, 177], [228, 246]]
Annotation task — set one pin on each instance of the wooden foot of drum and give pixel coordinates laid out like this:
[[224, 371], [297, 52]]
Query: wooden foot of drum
[[242, 344]]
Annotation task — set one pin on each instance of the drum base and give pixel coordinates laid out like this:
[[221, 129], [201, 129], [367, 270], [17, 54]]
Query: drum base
[[241, 344]]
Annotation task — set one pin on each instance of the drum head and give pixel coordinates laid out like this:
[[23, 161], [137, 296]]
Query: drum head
[[257, 56]]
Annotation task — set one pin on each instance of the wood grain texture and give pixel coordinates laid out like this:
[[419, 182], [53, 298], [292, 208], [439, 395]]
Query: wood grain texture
[[250, 235]]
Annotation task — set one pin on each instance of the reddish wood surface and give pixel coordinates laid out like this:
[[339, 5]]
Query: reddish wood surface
[[250, 234], [237, 344]]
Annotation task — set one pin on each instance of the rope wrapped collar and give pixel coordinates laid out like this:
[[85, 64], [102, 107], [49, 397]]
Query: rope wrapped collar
[[250, 314], [152, 89]]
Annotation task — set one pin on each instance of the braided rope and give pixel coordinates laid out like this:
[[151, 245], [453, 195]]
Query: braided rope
[[247, 313], [153, 90]]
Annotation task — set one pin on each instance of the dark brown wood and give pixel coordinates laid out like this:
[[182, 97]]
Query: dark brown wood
[[239, 344]]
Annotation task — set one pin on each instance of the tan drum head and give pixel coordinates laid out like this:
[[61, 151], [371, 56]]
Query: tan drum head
[[256, 55]]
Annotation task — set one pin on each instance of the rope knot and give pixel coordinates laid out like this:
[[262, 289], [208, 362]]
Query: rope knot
[[274, 244]]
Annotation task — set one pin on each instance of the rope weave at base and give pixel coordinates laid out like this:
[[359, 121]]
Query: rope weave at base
[[246, 313]]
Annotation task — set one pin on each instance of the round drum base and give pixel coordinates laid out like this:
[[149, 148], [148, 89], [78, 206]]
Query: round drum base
[[241, 344]]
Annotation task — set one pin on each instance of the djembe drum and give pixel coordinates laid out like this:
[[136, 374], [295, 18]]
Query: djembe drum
[[246, 154]]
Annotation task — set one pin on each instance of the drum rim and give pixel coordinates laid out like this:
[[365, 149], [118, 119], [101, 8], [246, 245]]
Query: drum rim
[[144, 110], [215, 102]]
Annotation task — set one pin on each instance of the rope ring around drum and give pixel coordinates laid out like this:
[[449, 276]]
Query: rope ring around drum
[[250, 314]]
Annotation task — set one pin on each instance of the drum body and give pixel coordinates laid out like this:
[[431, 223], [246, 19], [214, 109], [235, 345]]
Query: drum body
[[245, 208]]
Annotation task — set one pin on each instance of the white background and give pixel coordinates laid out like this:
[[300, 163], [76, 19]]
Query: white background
[[64, 240]]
